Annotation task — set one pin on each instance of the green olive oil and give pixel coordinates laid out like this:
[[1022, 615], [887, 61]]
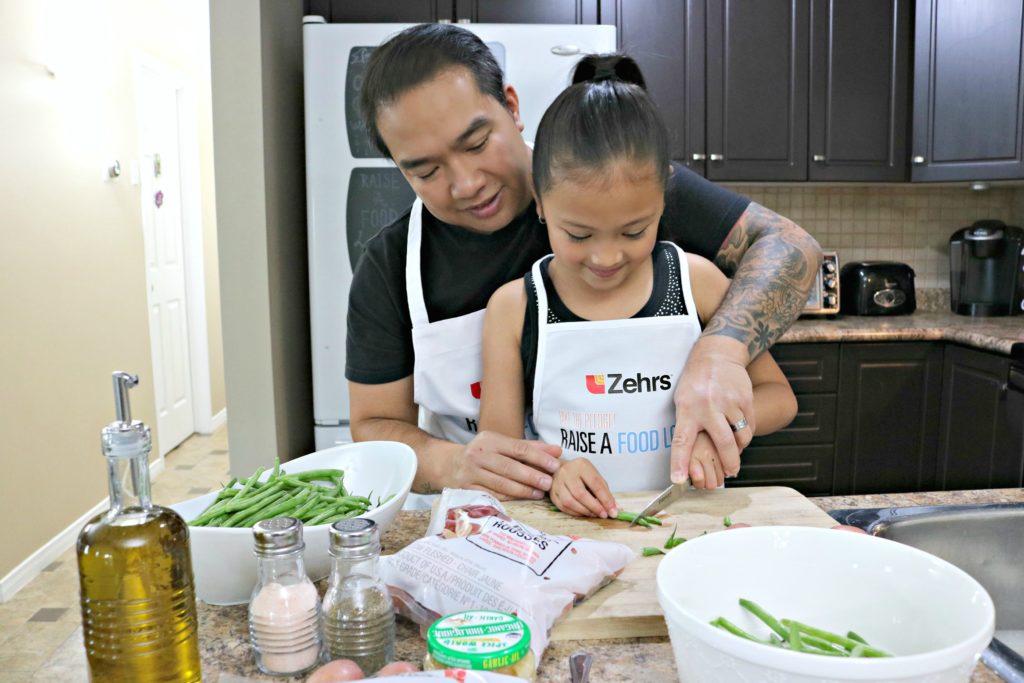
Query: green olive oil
[[138, 602]]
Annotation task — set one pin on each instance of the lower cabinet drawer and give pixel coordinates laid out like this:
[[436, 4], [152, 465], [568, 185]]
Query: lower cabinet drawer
[[815, 423], [806, 468]]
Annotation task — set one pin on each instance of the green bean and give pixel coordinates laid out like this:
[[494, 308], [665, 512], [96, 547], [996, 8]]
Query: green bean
[[625, 516], [723, 623], [727, 522], [853, 636], [768, 619], [649, 552], [245, 513], [672, 541], [823, 644], [278, 509], [847, 643]]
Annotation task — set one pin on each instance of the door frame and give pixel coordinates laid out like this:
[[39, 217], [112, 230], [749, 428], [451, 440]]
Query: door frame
[[204, 422]]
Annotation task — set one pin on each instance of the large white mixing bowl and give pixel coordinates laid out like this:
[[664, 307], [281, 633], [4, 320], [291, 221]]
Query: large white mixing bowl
[[934, 617]]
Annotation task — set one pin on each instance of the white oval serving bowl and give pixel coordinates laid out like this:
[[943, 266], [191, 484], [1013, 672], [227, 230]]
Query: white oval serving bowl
[[933, 616], [222, 559]]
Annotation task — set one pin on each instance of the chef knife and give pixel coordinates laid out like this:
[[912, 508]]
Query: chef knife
[[670, 495]]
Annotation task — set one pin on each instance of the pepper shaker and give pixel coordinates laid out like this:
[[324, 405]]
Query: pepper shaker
[[359, 619]]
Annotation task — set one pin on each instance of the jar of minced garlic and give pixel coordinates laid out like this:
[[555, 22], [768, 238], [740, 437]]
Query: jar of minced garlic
[[481, 640]]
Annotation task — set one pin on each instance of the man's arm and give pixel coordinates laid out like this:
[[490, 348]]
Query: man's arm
[[774, 263], [511, 468]]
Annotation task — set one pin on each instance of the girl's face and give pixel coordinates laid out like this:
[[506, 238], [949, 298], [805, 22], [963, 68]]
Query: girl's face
[[603, 228]]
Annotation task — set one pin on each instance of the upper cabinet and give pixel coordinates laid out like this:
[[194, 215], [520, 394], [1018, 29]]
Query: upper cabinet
[[860, 85], [666, 38], [784, 90], [393, 11], [968, 94], [527, 11], [482, 11], [757, 89]]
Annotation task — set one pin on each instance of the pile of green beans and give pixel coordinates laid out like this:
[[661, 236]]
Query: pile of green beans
[[314, 497], [799, 637]]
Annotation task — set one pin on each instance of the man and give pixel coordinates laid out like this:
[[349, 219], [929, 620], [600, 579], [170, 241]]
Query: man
[[434, 101]]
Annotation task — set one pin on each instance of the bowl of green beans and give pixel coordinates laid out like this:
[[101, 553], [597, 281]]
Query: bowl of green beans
[[369, 479], [805, 605]]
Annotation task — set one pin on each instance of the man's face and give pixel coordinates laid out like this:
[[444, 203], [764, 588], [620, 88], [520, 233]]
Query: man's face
[[461, 150]]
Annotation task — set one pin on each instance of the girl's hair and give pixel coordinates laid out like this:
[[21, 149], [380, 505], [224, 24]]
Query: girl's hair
[[605, 116]]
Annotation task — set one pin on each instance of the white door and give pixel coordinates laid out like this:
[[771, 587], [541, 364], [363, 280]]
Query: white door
[[160, 180]]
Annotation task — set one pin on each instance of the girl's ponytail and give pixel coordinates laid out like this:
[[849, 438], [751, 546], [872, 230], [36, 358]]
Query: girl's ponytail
[[605, 116], [597, 68]]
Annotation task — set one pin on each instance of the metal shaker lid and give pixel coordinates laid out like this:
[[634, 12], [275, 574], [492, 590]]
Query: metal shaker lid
[[355, 538], [278, 536], [125, 438]]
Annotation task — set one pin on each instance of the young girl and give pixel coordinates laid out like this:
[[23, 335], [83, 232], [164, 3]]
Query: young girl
[[591, 341]]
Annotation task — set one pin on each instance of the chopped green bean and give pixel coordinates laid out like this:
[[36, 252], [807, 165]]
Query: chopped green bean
[[763, 615], [649, 552], [853, 636], [727, 522]]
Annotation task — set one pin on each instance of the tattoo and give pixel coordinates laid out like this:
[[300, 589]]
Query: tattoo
[[773, 263], [425, 488]]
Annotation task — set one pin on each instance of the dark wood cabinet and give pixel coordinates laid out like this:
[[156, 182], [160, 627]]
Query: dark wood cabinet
[[483, 11], [859, 93], [801, 455], [527, 11], [968, 90], [886, 437], [757, 61], [397, 11], [977, 444], [666, 38]]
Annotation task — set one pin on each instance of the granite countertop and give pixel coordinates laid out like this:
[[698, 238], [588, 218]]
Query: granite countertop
[[990, 334], [225, 646]]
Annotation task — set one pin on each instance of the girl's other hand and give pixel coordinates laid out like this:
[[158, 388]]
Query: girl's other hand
[[706, 470], [579, 489]]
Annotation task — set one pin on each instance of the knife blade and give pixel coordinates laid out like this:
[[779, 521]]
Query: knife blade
[[670, 495]]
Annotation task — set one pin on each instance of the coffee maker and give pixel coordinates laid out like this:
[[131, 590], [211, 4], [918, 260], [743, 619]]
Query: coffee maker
[[985, 269]]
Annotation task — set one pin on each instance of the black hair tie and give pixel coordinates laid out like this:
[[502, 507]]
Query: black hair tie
[[605, 72]]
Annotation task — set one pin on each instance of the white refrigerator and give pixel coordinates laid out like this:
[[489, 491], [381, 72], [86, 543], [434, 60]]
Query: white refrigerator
[[352, 191]]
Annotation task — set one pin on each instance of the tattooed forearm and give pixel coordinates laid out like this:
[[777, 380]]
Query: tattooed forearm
[[773, 263]]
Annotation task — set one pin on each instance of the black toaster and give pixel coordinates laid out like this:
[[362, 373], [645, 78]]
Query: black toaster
[[876, 288]]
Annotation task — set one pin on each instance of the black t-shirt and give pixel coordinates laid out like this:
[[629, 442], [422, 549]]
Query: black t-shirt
[[461, 269]]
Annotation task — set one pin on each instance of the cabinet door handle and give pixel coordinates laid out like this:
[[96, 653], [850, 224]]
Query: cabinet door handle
[[716, 157], [819, 158], [697, 156], [918, 160]]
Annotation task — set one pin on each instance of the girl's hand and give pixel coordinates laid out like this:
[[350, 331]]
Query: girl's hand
[[579, 489], [706, 471]]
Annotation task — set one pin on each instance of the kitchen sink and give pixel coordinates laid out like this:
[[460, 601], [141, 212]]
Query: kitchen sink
[[986, 541]]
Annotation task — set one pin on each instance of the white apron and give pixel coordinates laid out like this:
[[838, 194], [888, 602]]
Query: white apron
[[603, 389], [448, 365]]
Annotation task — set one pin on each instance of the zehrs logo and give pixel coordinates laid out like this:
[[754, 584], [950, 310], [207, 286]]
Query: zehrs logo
[[617, 383]]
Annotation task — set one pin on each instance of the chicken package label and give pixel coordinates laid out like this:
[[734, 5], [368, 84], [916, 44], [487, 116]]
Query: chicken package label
[[478, 558]]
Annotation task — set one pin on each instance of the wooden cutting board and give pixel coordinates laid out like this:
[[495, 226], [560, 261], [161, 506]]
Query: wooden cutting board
[[628, 607]]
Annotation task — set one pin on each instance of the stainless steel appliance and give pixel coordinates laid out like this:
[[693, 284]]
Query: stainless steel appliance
[[877, 288], [986, 269], [824, 297]]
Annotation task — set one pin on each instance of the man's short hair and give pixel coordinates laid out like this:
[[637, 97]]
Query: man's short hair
[[417, 55]]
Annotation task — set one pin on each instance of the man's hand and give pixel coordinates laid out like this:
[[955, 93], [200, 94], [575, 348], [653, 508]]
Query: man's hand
[[713, 393], [509, 468], [580, 490]]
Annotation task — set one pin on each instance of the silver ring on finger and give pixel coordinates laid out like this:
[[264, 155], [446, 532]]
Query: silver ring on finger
[[740, 424]]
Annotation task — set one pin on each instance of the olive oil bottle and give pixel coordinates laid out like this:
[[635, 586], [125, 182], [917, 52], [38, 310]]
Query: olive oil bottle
[[138, 602]]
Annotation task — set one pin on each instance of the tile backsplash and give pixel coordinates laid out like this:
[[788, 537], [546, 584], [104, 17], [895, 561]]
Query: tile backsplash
[[905, 223]]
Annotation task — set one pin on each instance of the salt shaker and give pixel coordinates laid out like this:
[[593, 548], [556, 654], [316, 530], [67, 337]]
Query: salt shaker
[[359, 620], [284, 612]]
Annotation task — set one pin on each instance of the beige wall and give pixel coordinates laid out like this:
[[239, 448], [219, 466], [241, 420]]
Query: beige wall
[[72, 277], [256, 51]]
